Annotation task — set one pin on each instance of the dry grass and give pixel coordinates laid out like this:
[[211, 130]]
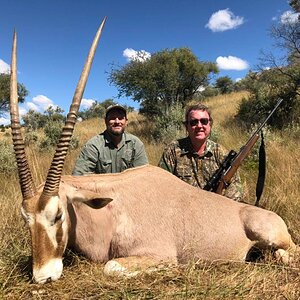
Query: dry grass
[[219, 280]]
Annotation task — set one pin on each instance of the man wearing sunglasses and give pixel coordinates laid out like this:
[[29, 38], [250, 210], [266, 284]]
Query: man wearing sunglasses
[[195, 159]]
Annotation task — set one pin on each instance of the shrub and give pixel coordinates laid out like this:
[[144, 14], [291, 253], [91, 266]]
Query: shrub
[[30, 137], [7, 158], [170, 125], [52, 132]]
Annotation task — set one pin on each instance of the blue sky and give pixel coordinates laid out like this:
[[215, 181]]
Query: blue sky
[[54, 38]]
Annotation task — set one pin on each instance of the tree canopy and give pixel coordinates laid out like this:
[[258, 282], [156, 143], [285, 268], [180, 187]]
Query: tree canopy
[[278, 77], [224, 84], [5, 92], [168, 77]]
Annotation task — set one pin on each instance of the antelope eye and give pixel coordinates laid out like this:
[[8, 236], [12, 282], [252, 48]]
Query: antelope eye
[[58, 217]]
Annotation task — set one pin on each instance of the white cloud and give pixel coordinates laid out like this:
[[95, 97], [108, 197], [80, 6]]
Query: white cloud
[[5, 120], [289, 17], [41, 103], [4, 67], [223, 20], [231, 63], [132, 54], [22, 111], [86, 103], [32, 106]]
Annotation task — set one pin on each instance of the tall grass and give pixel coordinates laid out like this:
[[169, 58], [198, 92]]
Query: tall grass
[[83, 279]]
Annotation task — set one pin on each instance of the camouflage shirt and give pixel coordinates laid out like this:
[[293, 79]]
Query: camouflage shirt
[[180, 159], [99, 155]]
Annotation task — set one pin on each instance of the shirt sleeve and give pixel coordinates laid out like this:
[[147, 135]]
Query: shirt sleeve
[[168, 159], [87, 160], [140, 157], [235, 190]]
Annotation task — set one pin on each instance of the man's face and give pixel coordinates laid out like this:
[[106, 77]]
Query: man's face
[[116, 122], [198, 125]]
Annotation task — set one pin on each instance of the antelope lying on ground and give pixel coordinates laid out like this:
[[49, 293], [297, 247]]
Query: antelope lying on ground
[[142, 212]]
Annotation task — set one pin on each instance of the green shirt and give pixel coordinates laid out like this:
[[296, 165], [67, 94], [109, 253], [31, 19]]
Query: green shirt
[[99, 155], [180, 159]]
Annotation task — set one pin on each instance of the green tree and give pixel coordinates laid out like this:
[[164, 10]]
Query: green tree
[[224, 84], [5, 92], [295, 4], [96, 110], [278, 77], [33, 120], [108, 102], [166, 78], [55, 114]]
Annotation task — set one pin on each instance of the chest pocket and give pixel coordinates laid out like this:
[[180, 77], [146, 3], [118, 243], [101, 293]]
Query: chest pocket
[[184, 170], [209, 167], [104, 166], [128, 158]]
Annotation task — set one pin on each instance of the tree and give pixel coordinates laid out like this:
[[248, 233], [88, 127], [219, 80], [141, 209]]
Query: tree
[[295, 4], [168, 77], [277, 77], [5, 92], [224, 84], [96, 110], [34, 120]]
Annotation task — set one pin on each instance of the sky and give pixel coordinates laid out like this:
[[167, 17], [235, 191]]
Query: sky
[[54, 38]]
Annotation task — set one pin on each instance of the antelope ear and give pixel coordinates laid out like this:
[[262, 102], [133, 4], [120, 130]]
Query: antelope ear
[[92, 199]]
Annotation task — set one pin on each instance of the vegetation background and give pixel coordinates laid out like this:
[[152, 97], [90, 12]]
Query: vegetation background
[[83, 279]]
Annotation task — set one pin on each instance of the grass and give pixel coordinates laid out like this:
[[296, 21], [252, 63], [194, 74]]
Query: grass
[[83, 279]]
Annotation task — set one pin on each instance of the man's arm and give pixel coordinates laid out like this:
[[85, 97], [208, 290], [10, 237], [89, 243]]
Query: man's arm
[[140, 155], [235, 190], [168, 159], [87, 160]]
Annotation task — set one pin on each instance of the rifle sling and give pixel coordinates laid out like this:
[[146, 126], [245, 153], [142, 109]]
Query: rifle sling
[[261, 170]]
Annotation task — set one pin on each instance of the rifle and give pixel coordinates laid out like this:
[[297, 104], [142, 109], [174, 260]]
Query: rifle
[[221, 178]]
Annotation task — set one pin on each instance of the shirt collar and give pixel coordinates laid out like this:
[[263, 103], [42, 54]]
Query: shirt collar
[[187, 148], [107, 137]]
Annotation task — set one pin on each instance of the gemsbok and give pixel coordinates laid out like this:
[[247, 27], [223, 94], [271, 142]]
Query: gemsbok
[[143, 212]]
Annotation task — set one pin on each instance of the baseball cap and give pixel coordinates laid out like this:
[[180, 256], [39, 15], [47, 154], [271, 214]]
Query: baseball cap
[[115, 107]]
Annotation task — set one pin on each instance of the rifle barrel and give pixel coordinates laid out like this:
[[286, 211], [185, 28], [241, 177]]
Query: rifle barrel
[[268, 117]]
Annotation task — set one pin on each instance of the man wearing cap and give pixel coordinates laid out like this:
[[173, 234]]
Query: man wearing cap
[[113, 150]]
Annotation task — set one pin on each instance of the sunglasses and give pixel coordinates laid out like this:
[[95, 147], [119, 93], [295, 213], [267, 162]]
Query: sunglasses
[[203, 121]]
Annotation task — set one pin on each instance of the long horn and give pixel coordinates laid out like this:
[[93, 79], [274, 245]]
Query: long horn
[[54, 175], [27, 185]]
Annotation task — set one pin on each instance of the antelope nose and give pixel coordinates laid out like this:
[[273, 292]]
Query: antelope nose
[[48, 280]]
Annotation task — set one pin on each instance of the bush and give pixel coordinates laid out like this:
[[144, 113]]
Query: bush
[[30, 138], [7, 158], [266, 88], [255, 110], [52, 132], [170, 125]]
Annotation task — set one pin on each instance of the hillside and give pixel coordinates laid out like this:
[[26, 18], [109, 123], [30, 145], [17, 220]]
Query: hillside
[[83, 279]]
